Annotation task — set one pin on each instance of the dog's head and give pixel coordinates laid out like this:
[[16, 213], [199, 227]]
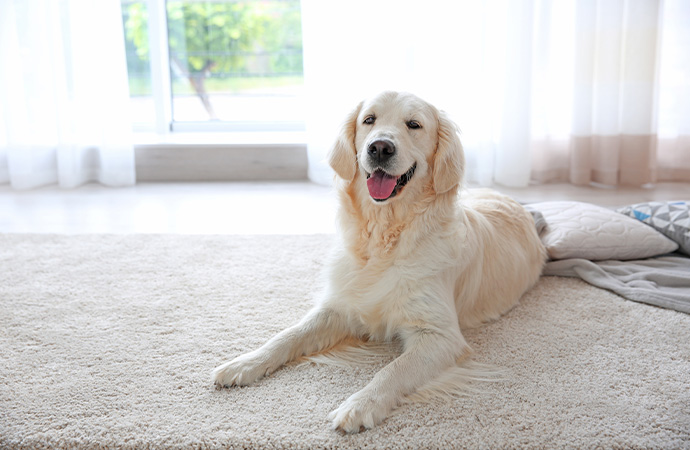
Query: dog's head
[[398, 145]]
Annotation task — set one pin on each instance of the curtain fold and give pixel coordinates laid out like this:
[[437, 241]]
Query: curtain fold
[[584, 91], [615, 63], [64, 114]]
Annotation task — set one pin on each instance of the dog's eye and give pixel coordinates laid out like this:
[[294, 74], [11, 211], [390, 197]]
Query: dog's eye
[[413, 125], [369, 120]]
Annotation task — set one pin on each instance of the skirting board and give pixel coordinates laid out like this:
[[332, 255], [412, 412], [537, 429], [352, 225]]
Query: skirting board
[[221, 162]]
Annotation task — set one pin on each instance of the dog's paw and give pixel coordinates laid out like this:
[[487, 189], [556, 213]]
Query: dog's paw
[[241, 371], [359, 412]]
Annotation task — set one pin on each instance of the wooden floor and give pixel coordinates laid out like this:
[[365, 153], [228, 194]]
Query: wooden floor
[[235, 208]]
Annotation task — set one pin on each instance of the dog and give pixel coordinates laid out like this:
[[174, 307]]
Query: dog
[[418, 261]]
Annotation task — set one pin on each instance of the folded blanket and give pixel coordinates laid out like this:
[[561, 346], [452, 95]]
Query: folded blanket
[[662, 281]]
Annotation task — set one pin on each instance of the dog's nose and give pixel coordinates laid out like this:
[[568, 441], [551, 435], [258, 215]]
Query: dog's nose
[[381, 150]]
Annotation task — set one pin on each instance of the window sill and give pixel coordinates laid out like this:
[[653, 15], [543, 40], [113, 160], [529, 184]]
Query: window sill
[[144, 139], [217, 156]]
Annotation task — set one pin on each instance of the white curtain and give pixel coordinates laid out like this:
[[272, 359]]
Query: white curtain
[[64, 114], [543, 90]]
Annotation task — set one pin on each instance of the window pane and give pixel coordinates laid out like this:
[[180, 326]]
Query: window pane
[[236, 60], [135, 22]]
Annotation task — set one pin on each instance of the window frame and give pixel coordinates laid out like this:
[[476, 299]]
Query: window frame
[[159, 60]]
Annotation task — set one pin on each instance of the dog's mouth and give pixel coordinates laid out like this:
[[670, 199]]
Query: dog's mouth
[[383, 186]]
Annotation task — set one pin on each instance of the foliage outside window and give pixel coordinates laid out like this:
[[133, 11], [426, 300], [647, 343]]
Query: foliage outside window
[[222, 53]]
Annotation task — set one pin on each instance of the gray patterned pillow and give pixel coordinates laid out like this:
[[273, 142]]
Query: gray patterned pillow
[[672, 219]]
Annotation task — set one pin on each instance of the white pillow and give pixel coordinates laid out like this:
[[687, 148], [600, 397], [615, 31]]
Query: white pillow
[[583, 230]]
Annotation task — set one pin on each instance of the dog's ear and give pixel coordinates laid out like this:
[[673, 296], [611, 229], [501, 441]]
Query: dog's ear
[[449, 161], [343, 155]]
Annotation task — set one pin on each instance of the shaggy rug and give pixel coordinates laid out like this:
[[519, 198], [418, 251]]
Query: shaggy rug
[[108, 342]]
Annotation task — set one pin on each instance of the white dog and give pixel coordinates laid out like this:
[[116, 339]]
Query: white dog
[[417, 263]]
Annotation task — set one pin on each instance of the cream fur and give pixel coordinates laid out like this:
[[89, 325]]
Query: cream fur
[[416, 267]]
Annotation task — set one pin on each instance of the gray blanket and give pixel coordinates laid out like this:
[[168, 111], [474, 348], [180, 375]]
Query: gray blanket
[[663, 281]]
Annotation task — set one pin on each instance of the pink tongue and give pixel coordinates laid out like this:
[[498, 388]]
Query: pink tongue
[[381, 185]]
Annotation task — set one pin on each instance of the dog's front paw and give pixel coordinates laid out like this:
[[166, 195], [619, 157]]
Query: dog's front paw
[[359, 412], [241, 371]]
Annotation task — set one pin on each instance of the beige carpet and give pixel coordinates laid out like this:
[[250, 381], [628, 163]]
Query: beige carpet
[[108, 341]]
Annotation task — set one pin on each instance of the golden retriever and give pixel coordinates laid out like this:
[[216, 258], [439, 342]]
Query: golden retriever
[[418, 261]]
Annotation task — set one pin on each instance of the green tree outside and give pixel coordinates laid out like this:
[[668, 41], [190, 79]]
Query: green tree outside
[[221, 46]]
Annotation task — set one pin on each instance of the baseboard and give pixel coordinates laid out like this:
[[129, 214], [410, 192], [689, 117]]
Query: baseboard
[[221, 162]]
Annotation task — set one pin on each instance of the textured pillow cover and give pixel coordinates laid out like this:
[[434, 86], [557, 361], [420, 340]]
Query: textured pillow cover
[[672, 219], [583, 230]]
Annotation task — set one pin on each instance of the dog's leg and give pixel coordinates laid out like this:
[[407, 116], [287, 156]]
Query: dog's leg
[[427, 352], [320, 329]]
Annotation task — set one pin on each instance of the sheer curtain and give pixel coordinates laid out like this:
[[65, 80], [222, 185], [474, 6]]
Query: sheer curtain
[[543, 90], [64, 114]]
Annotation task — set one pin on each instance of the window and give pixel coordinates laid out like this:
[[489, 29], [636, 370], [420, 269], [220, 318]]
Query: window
[[221, 65]]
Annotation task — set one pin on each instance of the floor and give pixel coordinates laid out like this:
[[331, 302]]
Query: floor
[[235, 208]]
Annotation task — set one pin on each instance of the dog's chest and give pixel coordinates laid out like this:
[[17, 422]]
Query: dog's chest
[[377, 298]]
